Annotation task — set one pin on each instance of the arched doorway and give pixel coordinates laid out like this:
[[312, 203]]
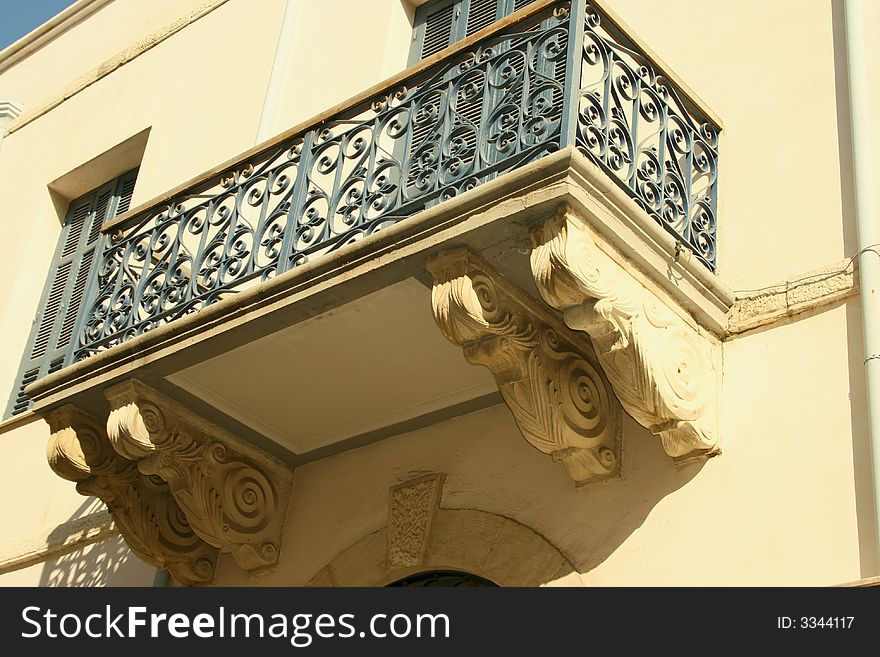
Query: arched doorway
[[509, 554]]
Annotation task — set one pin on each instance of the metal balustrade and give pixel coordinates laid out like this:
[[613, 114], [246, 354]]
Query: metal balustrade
[[551, 76]]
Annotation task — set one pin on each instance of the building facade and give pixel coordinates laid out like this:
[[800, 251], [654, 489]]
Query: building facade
[[540, 292]]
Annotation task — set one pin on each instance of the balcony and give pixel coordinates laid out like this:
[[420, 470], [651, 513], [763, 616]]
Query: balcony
[[546, 80], [280, 305]]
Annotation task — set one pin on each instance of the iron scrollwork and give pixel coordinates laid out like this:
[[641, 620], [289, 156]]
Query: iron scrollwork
[[442, 131], [446, 130], [655, 143]]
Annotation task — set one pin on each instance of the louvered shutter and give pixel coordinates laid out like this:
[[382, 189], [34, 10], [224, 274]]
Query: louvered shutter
[[480, 14], [54, 327], [519, 4], [440, 24]]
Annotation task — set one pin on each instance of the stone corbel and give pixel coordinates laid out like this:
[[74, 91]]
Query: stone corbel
[[665, 372], [146, 515], [234, 497], [547, 374]]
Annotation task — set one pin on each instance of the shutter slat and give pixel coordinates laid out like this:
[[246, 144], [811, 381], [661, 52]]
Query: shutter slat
[[99, 216], [76, 223], [438, 30], [519, 4], [22, 401], [481, 13], [445, 25], [125, 195], [53, 303], [76, 295], [470, 112]]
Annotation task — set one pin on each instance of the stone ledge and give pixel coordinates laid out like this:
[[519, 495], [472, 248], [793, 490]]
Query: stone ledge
[[812, 290], [865, 582], [57, 542]]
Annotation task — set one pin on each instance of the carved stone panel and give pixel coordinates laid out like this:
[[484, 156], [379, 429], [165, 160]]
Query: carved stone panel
[[147, 516], [234, 497], [547, 374], [665, 373], [411, 507]]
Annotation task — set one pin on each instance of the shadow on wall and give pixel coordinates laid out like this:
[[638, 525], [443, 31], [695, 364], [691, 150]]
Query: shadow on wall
[[106, 563], [590, 526], [505, 512]]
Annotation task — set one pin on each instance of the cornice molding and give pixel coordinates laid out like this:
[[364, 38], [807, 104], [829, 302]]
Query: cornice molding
[[548, 376], [9, 109], [665, 371], [51, 29]]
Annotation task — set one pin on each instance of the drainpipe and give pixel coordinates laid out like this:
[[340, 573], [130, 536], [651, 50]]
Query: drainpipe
[[162, 578], [286, 37], [867, 220]]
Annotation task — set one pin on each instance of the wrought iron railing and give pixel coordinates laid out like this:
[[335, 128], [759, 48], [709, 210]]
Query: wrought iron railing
[[556, 75]]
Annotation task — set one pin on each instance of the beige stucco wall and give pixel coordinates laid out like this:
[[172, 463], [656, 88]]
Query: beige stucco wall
[[42, 515], [788, 502], [112, 28], [370, 42]]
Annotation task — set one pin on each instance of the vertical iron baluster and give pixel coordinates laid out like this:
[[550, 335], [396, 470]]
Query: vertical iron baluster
[[574, 61], [186, 218], [286, 253], [688, 187]]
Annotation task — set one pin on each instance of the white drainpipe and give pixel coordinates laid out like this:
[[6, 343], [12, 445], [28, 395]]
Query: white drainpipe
[[867, 220]]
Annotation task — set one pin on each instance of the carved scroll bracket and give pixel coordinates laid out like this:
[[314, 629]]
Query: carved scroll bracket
[[547, 374], [147, 516], [666, 374], [234, 496]]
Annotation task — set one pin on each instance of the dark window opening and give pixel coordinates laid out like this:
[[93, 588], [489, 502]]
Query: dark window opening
[[445, 578]]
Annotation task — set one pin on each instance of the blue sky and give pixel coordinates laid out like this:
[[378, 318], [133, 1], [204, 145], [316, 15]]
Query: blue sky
[[21, 16]]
